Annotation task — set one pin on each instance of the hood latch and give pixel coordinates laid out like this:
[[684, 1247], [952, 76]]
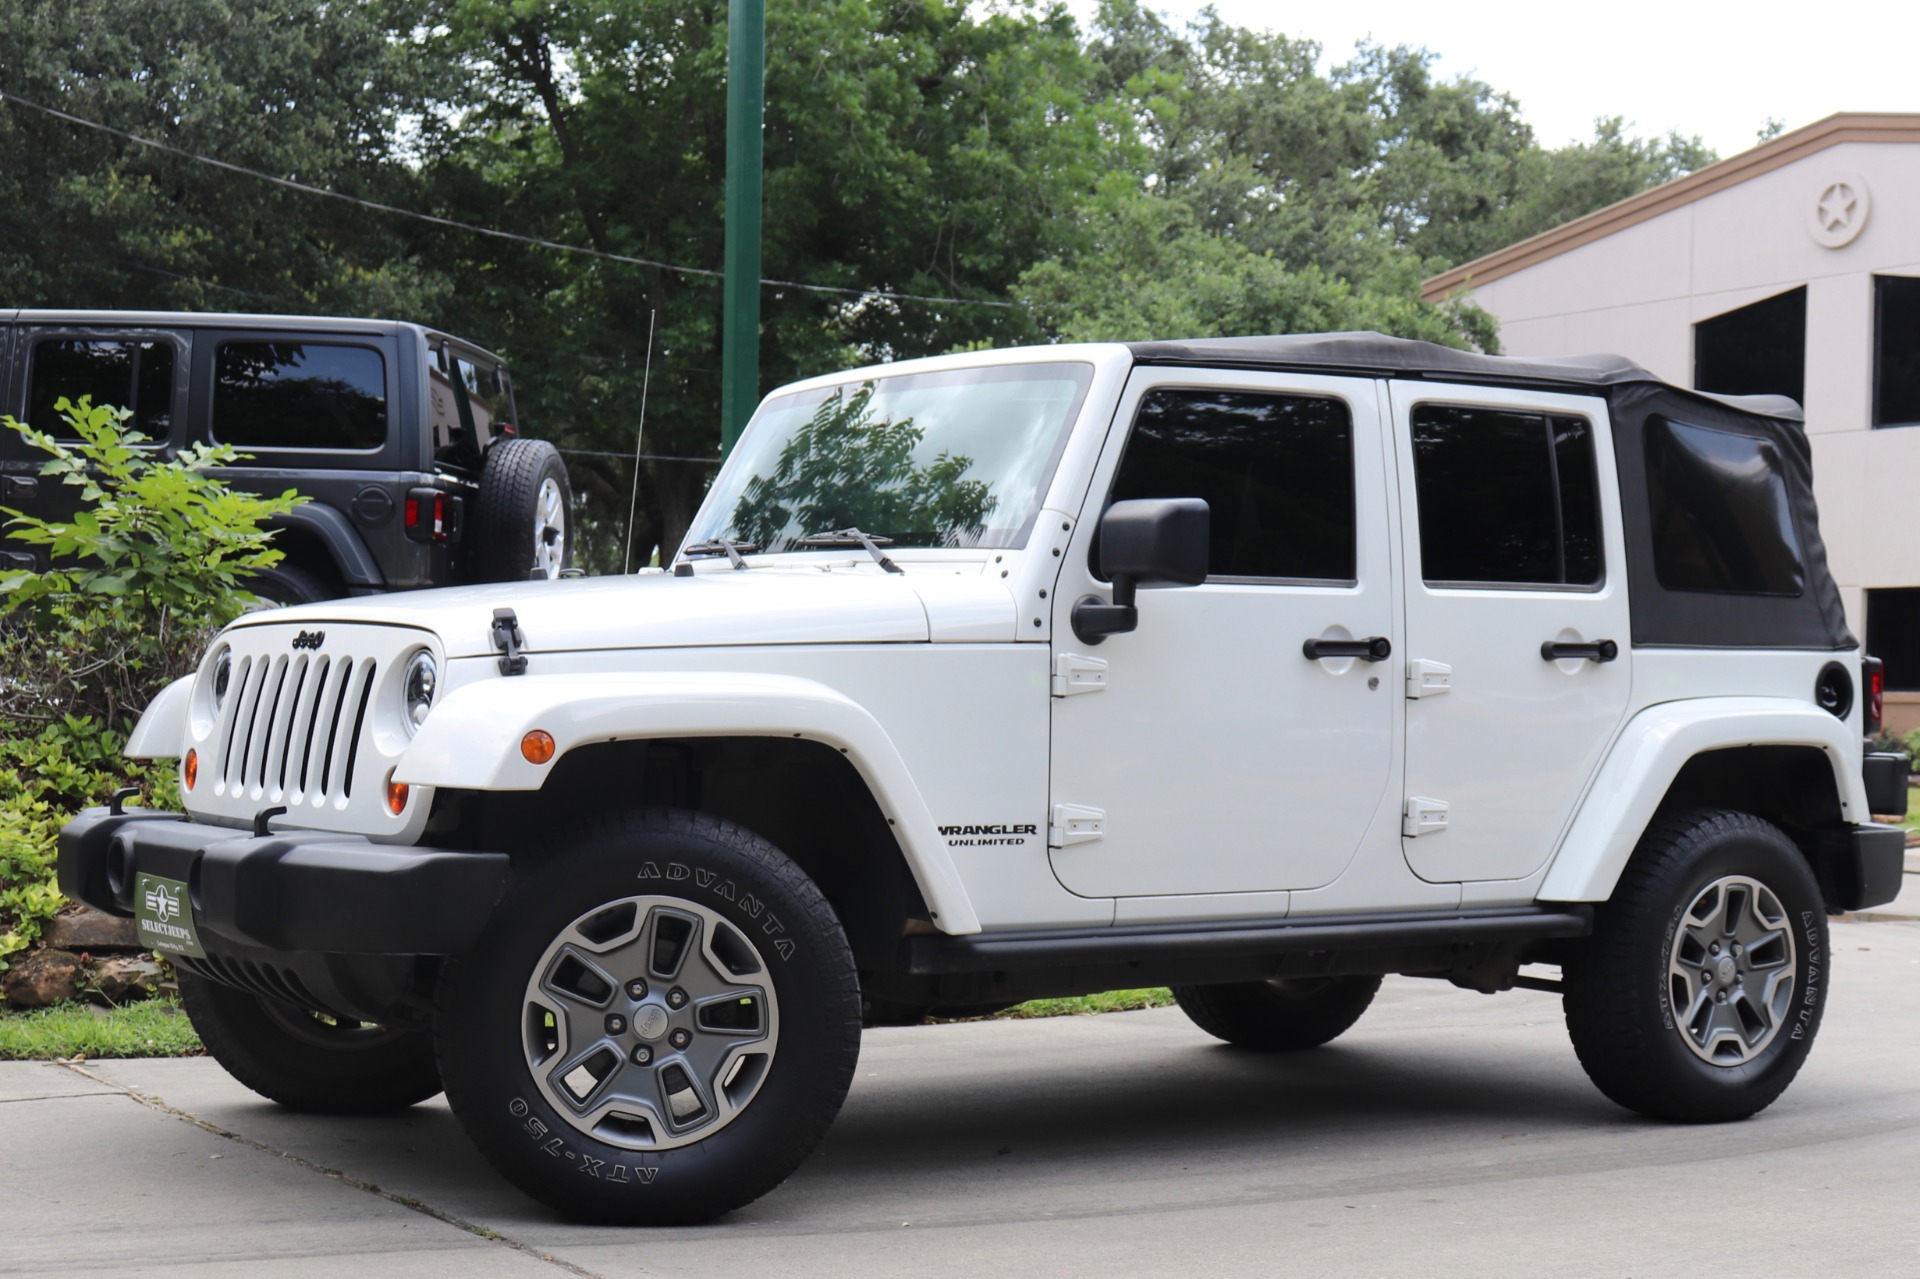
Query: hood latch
[[508, 638]]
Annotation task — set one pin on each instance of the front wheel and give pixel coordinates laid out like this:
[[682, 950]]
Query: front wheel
[[1698, 996], [658, 1024]]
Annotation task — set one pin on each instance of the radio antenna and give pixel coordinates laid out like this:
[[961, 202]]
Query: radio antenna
[[639, 432]]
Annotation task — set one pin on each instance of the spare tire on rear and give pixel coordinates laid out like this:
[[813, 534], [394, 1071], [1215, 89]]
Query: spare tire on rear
[[523, 521]]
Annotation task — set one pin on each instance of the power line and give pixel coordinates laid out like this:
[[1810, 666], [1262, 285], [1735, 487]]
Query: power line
[[648, 457], [475, 228]]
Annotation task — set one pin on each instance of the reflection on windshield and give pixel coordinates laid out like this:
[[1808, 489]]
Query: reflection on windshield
[[957, 458], [849, 467]]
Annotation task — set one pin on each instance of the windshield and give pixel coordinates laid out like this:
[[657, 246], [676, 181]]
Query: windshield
[[959, 458]]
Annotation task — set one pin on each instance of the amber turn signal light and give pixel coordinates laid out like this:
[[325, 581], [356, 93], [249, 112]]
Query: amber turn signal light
[[396, 794], [537, 746], [191, 771]]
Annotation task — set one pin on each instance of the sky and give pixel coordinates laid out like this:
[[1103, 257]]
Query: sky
[[1714, 69]]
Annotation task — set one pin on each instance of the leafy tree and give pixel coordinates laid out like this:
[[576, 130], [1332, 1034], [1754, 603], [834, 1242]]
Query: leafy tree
[[314, 92], [911, 148]]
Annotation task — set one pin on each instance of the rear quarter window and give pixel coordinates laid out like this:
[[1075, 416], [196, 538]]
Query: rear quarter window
[[299, 395], [1722, 517]]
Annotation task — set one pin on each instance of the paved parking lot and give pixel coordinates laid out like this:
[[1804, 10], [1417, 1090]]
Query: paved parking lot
[[1449, 1133]]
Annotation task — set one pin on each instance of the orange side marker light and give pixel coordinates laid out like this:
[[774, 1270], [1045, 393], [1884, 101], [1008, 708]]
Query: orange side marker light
[[396, 794], [537, 746], [192, 769]]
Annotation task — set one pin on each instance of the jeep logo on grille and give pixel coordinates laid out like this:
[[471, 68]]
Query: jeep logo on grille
[[309, 639]]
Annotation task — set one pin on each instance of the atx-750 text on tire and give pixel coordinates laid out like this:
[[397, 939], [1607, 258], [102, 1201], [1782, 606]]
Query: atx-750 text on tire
[[523, 514], [1282, 1015], [658, 1024], [308, 1061], [1699, 994]]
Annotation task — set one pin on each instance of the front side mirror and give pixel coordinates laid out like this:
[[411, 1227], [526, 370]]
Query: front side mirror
[[1152, 542]]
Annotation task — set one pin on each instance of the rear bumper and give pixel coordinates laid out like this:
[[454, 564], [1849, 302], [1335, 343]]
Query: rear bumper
[[301, 891], [1867, 872]]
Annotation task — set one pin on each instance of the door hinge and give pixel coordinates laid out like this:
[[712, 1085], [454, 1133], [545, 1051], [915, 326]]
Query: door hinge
[[1428, 679], [1424, 816], [1076, 824], [1073, 673]]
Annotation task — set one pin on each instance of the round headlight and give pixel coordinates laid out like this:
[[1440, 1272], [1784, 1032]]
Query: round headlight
[[422, 677], [222, 677]]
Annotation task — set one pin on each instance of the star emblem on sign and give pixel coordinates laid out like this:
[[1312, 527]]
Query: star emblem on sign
[[1837, 204]]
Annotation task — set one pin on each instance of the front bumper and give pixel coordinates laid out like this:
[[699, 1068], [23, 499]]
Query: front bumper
[[292, 891]]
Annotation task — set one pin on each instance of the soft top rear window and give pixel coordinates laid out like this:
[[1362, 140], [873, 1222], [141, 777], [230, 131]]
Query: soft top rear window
[[1721, 514]]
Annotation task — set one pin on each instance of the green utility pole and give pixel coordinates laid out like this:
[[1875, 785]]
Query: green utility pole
[[740, 325]]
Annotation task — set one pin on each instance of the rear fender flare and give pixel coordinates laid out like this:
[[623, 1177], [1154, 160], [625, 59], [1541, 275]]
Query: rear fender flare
[[471, 741], [1649, 754]]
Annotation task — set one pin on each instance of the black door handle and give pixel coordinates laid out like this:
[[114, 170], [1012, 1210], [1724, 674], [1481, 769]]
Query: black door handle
[[19, 486], [1375, 649], [1597, 651]]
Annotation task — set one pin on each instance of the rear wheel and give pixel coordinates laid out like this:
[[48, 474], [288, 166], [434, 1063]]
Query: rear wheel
[[1286, 1014], [1698, 996], [307, 1060], [657, 1026]]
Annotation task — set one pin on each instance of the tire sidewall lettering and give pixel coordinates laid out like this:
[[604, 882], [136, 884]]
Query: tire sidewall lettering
[[766, 925]]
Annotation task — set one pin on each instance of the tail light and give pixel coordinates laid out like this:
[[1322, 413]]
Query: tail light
[[1874, 679], [427, 516]]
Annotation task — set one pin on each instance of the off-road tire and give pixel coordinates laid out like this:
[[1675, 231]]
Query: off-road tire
[[1620, 987], [285, 585], [1285, 1015], [486, 1033], [510, 521], [306, 1062]]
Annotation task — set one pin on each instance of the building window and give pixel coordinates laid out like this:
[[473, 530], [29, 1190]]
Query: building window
[[1757, 350], [1276, 472], [1896, 350], [1506, 498], [1893, 635]]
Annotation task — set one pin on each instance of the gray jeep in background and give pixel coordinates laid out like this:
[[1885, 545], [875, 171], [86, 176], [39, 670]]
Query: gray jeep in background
[[404, 439]]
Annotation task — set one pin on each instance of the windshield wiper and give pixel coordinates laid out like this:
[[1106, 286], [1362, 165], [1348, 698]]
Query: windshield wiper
[[721, 546], [854, 537]]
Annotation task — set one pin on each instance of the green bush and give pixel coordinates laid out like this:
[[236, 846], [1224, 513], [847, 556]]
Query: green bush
[[1910, 744], [155, 561]]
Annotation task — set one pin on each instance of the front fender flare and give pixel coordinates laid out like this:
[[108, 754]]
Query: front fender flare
[[163, 725], [1650, 752], [471, 741]]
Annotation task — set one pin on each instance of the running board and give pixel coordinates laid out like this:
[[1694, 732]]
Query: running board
[[928, 955]]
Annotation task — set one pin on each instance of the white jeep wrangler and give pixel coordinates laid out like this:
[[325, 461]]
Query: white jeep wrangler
[[1465, 664]]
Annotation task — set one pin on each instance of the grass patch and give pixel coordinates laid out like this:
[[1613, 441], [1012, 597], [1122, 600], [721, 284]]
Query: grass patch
[[1112, 1001], [151, 1028]]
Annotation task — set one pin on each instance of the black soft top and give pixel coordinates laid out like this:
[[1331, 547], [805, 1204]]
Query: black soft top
[[1377, 355], [1730, 501]]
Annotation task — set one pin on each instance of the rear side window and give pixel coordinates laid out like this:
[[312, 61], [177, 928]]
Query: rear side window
[[1506, 498], [1722, 521], [136, 375], [1276, 472], [299, 395]]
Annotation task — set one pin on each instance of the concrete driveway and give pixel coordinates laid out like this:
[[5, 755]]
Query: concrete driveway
[[1448, 1134]]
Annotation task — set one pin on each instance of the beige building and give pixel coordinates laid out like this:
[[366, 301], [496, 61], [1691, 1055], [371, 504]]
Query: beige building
[[1792, 268]]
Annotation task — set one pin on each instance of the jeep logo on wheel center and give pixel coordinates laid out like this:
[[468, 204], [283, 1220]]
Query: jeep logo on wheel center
[[1310, 661]]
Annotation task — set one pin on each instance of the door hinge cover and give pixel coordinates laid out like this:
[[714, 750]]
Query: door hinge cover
[[1423, 816], [1076, 824], [1073, 673], [1428, 679]]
